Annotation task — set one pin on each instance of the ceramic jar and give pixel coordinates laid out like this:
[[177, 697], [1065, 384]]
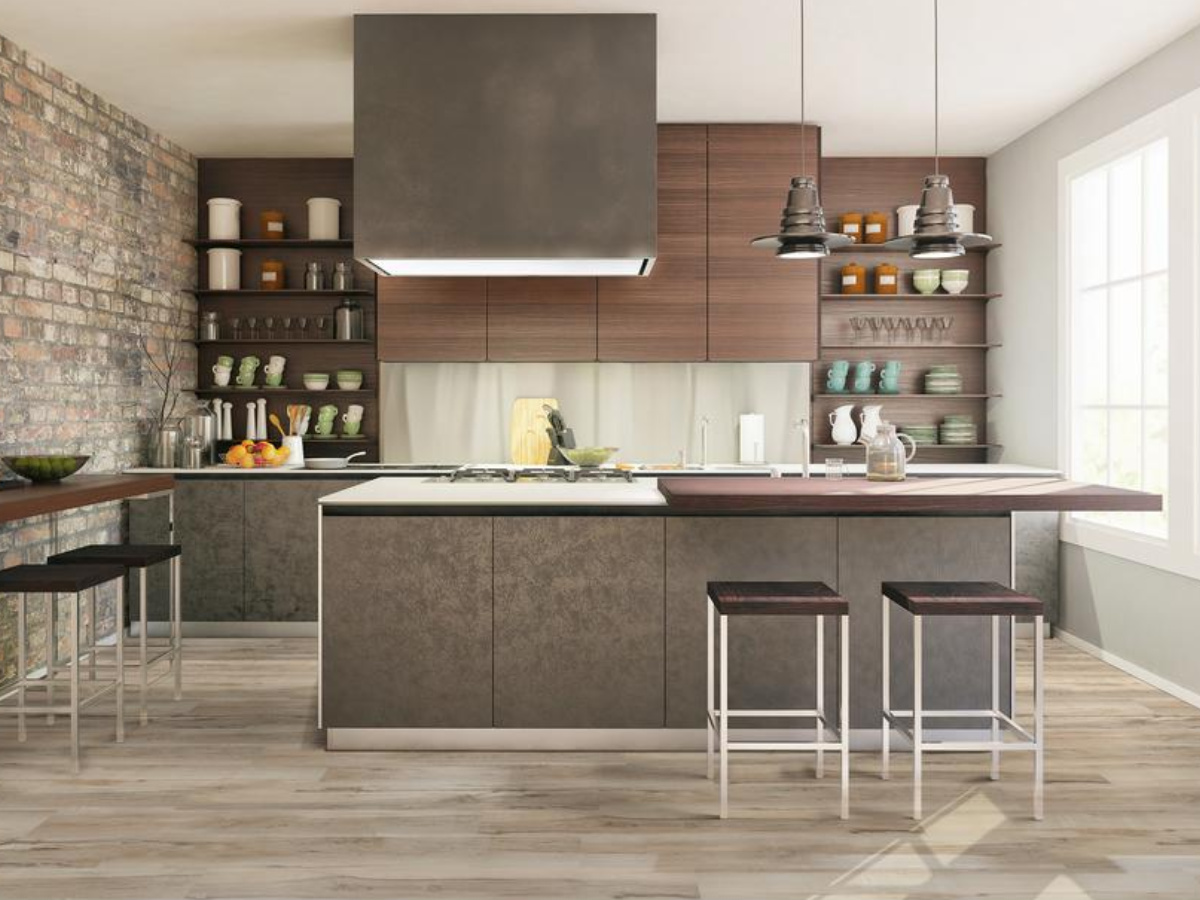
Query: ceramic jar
[[323, 218], [224, 219]]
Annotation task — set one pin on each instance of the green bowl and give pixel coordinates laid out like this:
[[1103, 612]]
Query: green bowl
[[45, 469], [588, 456]]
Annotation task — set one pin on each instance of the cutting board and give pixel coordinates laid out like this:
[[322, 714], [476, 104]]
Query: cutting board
[[528, 442]]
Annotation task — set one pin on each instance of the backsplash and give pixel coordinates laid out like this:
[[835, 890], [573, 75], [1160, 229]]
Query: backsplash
[[459, 412]]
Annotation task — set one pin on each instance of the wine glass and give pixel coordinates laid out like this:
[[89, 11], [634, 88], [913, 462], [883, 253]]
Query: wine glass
[[286, 326], [235, 328], [252, 327], [322, 324], [302, 327]]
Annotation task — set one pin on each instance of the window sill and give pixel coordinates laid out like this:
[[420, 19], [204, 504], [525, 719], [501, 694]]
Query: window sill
[[1143, 550]]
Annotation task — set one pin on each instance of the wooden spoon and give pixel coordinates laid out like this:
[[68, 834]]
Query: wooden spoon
[[275, 421]]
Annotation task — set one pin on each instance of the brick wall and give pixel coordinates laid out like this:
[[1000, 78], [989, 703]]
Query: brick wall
[[93, 208]]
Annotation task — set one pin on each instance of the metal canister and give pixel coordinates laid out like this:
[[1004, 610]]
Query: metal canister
[[343, 277], [164, 450], [348, 321], [210, 327], [199, 429], [314, 277]]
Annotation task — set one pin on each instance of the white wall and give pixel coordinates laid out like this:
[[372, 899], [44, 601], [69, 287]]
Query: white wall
[[1140, 615]]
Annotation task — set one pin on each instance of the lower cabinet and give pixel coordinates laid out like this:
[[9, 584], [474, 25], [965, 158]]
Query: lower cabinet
[[407, 622], [579, 622], [770, 658], [210, 526]]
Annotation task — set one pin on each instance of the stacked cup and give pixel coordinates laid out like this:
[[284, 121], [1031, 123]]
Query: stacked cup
[[352, 420], [222, 371], [247, 369], [326, 416], [274, 370]]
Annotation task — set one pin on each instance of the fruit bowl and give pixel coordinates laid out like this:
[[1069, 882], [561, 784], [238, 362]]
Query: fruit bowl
[[587, 456], [256, 455], [45, 468]]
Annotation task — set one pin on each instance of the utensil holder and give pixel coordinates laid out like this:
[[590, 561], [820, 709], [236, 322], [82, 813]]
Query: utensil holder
[[295, 445]]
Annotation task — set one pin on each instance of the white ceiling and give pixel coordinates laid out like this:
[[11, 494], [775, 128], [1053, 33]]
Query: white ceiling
[[273, 77]]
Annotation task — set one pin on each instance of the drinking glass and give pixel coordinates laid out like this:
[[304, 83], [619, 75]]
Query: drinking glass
[[906, 323], [944, 324], [874, 322], [834, 468], [890, 325], [859, 324]]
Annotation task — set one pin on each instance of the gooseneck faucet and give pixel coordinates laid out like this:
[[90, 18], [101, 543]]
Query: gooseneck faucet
[[704, 420]]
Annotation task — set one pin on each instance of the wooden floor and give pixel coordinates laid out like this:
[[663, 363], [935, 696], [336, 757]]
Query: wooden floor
[[228, 794]]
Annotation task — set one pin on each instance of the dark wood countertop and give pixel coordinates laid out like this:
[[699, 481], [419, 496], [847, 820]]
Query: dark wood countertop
[[77, 491], [931, 496]]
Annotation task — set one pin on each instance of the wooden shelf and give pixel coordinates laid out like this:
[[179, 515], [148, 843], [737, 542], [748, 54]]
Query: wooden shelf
[[268, 243], [286, 293], [878, 395], [310, 440], [933, 296], [358, 342], [905, 345], [222, 391], [920, 447], [880, 248]]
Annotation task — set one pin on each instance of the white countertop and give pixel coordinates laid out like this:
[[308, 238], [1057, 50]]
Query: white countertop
[[425, 492]]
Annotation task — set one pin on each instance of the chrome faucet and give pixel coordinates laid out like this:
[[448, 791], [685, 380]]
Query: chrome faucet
[[704, 421], [805, 447]]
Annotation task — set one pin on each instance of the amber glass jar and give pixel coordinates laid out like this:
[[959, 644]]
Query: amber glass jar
[[272, 275], [875, 228], [271, 223], [854, 278], [852, 226], [887, 279]]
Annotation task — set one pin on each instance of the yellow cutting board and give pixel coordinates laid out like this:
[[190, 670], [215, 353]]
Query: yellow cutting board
[[528, 442]]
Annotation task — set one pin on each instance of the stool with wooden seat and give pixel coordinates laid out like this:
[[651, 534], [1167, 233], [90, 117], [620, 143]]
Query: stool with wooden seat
[[963, 598], [54, 580], [779, 598], [141, 557]]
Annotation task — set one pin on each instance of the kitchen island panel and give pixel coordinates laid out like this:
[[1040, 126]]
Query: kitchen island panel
[[281, 547], [771, 659], [872, 550], [210, 526], [579, 622], [407, 622]]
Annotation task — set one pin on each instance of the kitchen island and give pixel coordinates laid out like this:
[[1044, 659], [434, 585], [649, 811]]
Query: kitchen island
[[549, 615]]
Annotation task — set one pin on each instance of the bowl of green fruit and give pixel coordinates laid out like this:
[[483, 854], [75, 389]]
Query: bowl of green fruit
[[45, 468]]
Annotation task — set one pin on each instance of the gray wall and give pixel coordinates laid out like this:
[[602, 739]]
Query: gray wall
[[459, 412], [1101, 595]]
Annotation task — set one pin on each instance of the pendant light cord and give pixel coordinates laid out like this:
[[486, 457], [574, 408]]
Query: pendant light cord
[[937, 156], [803, 127]]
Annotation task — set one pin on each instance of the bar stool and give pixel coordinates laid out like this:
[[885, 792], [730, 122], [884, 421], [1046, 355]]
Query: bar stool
[[54, 580], [780, 598], [141, 557], [964, 598]]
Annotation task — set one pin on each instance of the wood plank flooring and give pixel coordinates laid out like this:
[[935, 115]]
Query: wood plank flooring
[[229, 794]]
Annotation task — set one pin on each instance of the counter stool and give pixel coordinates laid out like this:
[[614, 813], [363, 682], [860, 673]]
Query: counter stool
[[141, 557], [780, 598], [54, 580], [963, 598]]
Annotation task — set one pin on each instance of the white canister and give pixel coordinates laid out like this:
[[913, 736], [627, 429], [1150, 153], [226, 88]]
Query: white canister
[[224, 269], [966, 217], [224, 219], [906, 220], [751, 438], [323, 218]]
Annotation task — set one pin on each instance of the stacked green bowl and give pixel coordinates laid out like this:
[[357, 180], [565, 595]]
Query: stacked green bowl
[[958, 429], [943, 380], [921, 434]]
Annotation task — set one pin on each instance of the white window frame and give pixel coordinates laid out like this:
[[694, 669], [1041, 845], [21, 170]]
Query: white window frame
[[1179, 122]]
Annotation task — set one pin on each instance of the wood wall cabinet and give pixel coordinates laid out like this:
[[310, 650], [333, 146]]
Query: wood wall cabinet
[[759, 307], [432, 319], [663, 316], [541, 319]]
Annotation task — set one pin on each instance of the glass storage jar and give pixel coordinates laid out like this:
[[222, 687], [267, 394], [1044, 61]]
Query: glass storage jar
[[886, 454], [271, 224], [851, 226], [854, 278], [887, 279], [875, 228], [271, 278]]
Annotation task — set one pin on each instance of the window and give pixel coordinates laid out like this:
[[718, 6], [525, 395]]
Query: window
[[1119, 416], [1129, 340]]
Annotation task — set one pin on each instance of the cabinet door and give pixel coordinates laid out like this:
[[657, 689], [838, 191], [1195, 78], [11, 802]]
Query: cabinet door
[[579, 622], [210, 526], [759, 307], [281, 547], [771, 660], [541, 319], [432, 319], [662, 317], [406, 622]]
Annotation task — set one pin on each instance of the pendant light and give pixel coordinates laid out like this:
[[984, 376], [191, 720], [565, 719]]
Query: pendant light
[[802, 233], [936, 233]]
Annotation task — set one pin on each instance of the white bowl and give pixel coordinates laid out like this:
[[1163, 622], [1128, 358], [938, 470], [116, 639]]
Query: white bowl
[[955, 281]]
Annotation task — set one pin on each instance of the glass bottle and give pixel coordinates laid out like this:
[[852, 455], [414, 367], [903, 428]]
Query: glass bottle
[[886, 455]]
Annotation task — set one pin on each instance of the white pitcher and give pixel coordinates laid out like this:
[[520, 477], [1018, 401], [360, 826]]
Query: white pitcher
[[844, 432], [870, 418]]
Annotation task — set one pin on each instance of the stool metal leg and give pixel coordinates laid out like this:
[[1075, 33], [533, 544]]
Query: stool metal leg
[[918, 737], [1012, 667], [844, 709], [91, 634], [712, 703], [22, 667], [1039, 712], [177, 624], [51, 647], [724, 654], [74, 625], [820, 694], [995, 695], [887, 692], [142, 668], [120, 610]]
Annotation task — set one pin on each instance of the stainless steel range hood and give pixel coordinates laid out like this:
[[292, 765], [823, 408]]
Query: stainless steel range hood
[[505, 145]]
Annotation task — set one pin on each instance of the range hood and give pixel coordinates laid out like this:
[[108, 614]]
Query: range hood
[[505, 145]]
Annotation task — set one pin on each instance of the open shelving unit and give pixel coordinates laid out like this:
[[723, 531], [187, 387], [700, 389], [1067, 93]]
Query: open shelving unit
[[876, 184], [285, 185]]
